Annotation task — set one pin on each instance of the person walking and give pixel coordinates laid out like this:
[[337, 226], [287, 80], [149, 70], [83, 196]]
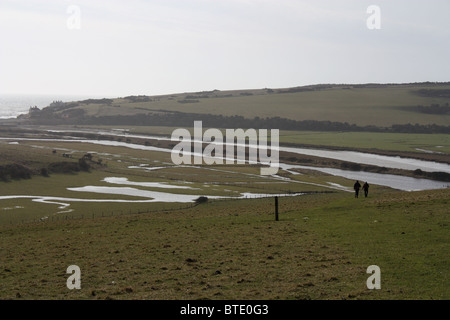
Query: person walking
[[366, 189], [356, 187]]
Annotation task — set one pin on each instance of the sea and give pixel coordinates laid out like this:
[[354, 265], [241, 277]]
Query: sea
[[13, 105]]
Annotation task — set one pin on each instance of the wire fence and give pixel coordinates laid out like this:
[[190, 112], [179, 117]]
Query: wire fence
[[104, 214]]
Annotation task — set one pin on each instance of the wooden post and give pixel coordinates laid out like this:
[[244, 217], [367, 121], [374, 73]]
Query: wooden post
[[276, 208]]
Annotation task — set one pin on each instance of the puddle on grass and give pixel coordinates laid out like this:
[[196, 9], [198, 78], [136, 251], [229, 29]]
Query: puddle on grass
[[12, 208], [155, 196], [149, 196], [125, 181], [337, 185]]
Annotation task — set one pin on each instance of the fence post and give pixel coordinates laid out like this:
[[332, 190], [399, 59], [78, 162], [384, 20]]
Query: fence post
[[276, 208]]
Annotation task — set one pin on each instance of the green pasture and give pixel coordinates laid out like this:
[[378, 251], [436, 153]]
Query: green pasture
[[371, 140], [359, 140], [320, 249]]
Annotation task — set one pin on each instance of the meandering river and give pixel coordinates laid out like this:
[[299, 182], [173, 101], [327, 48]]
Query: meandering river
[[393, 181], [350, 156]]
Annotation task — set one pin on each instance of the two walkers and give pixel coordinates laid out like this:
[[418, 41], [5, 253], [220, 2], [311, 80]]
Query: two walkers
[[357, 187]]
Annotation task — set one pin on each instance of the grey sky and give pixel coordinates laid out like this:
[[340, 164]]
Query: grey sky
[[167, 46]]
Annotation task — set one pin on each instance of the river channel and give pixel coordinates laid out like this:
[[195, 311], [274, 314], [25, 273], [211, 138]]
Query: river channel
[[389, 180]]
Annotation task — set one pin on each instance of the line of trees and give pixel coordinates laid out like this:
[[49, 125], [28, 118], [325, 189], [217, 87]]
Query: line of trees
[[182, 119], [179, 119], [433, 93], [434, 109]]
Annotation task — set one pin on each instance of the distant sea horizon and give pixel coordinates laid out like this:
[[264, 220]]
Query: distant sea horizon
[[13, 105]]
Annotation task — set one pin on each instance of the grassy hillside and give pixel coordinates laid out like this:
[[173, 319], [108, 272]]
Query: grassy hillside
[[377, 105], [320, 249]]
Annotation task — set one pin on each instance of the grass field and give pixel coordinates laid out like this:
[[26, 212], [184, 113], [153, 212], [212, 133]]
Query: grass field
[[320, 249], [360, 140], [439, 143]]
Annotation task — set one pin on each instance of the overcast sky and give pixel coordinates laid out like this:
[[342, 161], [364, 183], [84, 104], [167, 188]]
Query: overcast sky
[[131, 47]]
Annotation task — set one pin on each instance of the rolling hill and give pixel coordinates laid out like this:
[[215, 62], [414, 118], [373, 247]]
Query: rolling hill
[[377, 105]]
